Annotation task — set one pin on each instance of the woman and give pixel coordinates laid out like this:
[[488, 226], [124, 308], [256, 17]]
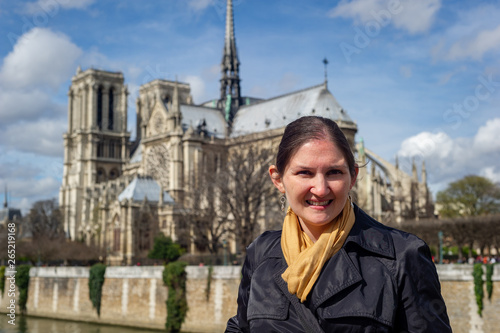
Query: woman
[[332, 268]]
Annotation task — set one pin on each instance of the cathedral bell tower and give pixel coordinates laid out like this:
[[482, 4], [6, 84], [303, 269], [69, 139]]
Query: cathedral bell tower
[[96, 143], [230, 92]]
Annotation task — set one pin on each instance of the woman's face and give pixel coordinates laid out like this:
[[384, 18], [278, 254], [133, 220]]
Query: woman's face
[[316, 183]]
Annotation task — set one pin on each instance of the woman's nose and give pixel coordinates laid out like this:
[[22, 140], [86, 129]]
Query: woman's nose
[[320, 186]]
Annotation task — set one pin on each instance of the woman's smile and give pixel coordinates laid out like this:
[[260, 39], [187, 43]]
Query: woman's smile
[[319, 203]]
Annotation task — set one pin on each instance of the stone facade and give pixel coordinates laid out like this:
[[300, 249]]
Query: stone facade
[[135, 296], [388, 193], [117, 194]]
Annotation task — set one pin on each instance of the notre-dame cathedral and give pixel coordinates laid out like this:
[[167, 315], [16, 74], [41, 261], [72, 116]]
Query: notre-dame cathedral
[[110, 182]]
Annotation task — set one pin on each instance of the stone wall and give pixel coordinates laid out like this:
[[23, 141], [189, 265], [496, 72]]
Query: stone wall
[[136, 296], [457, 286]]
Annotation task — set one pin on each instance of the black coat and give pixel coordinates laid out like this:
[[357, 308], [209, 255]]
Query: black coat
[[382, 280]]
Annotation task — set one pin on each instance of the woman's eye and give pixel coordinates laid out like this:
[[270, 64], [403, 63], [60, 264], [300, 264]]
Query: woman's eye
[[335, 172], [304, 172]]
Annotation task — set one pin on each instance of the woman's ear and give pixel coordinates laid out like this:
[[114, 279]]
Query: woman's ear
[[276, 178], [353, 179]]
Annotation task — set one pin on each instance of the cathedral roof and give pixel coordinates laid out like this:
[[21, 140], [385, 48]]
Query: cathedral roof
[[279, 111], [144, 188], [212, 119]]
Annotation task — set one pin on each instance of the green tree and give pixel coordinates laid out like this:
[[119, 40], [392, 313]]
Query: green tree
[[165, 249], [23, 282], [96, 281], [469, 196], [2, 279], [174, 277]]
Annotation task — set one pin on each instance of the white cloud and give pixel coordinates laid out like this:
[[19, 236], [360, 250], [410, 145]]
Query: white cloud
[[23, 192], [29, 177], [39, 58], [417, 16], [42, 136], [492, 173], [360, 10], [52, 7], [474, 34], [487, 138], [30, 119], [449, 159], [427, 146], [20, 104], [412, 16], [475, 48], [200, 4], [32, 188]]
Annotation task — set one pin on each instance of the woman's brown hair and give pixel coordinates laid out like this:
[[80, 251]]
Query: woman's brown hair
[[308, 128]]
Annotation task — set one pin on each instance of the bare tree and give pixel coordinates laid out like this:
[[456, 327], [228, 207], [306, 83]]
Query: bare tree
[[229, 200], [204, 219], [44, 223], [45, 220], [48, 242], [246, 190]]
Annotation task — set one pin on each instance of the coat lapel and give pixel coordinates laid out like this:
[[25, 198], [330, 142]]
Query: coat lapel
[[306, 317], [338, 274]]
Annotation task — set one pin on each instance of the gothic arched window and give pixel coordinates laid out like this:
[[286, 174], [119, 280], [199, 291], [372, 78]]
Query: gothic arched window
[[116, 239], [111, 111], [101, 175], [113, 174], [100, 148], [111, 149]]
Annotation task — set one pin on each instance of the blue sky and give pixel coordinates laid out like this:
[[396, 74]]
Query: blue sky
[[420, 78]]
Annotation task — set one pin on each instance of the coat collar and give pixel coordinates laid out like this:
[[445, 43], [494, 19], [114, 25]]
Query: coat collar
[[340, 272], [366, 233], [371, 235]]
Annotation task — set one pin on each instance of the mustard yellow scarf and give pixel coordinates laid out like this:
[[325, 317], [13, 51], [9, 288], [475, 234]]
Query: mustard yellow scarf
[[305, 259]]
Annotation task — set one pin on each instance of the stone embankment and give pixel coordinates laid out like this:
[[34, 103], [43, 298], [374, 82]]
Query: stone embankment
[[135, 296]]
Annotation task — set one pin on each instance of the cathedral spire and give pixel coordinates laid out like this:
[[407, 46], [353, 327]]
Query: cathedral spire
[[414, 175], [424, 173], [230, 96]]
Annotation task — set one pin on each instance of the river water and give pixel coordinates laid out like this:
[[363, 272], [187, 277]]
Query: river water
[[42, 325]]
